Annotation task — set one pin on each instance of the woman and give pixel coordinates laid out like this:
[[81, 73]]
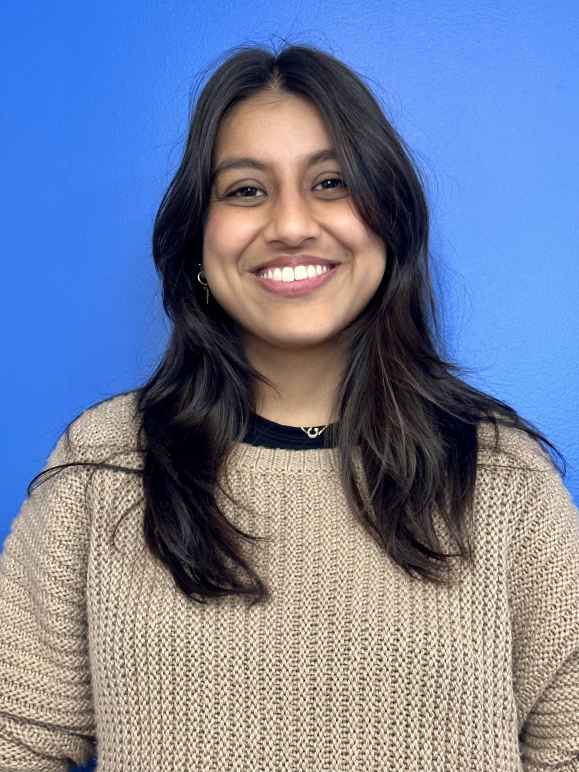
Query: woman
[[414, 604]]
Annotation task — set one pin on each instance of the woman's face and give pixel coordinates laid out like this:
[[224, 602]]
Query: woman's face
[[285, 212]]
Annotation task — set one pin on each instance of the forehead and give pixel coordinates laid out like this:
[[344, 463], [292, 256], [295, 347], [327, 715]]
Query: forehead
[[265, 121]]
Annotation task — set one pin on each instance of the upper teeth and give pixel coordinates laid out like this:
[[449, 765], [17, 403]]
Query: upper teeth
[[291, 274]]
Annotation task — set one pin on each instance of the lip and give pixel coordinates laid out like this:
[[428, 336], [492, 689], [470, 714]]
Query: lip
[[296, 289]]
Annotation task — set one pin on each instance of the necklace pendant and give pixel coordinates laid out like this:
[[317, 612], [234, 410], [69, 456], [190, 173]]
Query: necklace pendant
[[313, 431]]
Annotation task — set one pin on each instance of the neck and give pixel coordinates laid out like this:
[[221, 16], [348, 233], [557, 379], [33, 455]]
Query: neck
[[306, 382], [293, 419]]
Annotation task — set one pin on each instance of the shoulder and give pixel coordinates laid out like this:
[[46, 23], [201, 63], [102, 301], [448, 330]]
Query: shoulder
[[102, 430], [522, 496], [515, 449]]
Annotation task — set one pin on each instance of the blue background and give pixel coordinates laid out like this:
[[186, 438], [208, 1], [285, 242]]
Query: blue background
[[94, 113]]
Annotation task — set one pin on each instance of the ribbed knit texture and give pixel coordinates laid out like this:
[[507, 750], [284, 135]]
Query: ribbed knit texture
[[352, 666]]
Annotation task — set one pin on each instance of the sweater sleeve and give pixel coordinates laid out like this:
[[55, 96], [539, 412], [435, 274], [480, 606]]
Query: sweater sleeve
[[545, 621], [46, 709]]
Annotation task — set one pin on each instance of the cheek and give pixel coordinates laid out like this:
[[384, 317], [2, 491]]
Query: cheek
[[368, 278], [215, 235], [353, 232], [369, 269], [226, 234]]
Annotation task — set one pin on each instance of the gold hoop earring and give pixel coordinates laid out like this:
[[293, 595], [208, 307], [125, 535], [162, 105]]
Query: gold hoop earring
[[204, 284]]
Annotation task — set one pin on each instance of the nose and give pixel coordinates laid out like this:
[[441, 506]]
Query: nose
[[292, 219]]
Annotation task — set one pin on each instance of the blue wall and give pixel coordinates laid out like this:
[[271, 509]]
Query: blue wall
[[94, 113]]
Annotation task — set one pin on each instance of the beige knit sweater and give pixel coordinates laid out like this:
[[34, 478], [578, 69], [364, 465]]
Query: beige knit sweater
[[351, 667]]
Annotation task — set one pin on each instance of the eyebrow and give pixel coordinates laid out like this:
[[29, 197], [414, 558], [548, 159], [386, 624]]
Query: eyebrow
[[245, 162]]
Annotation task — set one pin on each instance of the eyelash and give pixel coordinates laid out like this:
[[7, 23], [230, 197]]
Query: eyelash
[[253, 187]]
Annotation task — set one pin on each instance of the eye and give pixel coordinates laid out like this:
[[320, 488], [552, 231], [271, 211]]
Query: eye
[[244, 187], [333, 179], [233, 193]]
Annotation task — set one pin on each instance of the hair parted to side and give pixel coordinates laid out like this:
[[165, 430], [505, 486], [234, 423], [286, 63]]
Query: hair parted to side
[[414, 420]]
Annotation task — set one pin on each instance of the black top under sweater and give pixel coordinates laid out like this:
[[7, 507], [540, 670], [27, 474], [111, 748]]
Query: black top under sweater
[[270, 434]]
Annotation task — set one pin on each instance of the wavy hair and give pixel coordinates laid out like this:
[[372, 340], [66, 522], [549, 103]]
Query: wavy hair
[[401, 400]]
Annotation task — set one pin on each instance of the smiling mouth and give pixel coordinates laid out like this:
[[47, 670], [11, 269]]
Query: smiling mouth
[[330, 266], [297, 287]]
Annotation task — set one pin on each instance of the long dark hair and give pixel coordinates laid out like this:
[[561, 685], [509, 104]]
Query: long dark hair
[[401, 401]]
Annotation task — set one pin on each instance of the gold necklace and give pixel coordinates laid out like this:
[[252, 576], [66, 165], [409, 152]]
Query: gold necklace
[[313, 431]]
